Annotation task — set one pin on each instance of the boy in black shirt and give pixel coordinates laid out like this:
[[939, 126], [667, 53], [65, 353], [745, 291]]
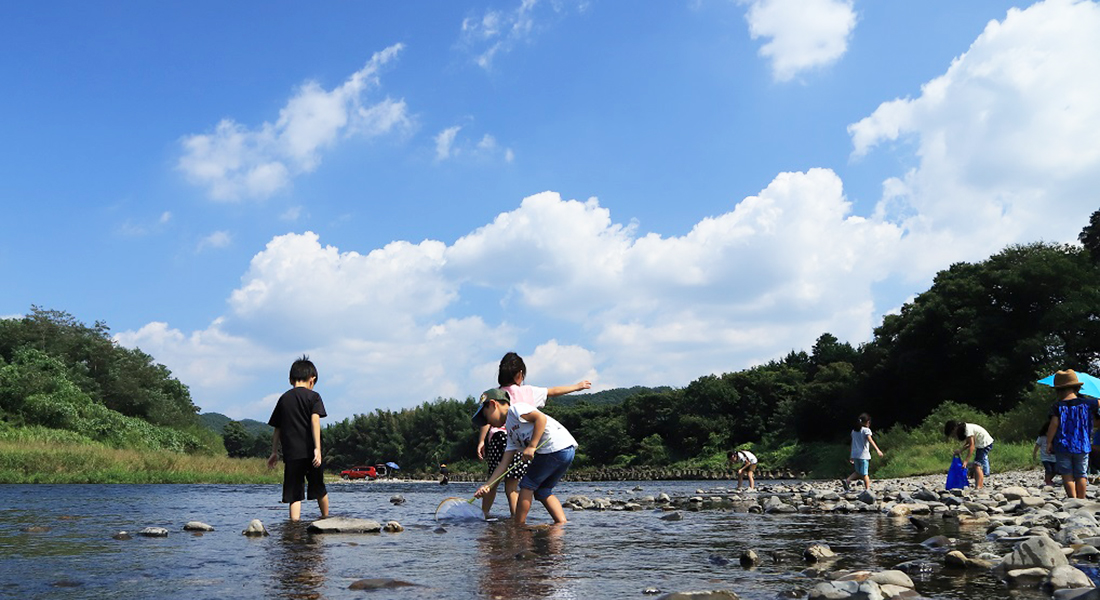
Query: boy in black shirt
[[297, 423]]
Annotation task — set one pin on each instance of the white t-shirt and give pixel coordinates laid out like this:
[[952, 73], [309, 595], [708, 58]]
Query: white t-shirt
[[1044, 456], [745, 456], [554, 437], [981, 436], [861, 445]]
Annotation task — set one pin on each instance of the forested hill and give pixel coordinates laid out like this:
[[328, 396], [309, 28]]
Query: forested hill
[[217, 423], [58, 373], [607, 397]]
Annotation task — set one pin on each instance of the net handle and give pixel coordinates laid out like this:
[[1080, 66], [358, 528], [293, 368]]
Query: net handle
[[509, 470]]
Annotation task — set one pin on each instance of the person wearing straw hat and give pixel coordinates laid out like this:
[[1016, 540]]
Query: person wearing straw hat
[[1070, 431]]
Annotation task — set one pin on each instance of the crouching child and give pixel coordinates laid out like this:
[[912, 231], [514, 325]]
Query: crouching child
[[540, 439]]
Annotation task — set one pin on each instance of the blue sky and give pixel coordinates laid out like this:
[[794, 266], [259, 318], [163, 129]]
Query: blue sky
[[637, 194]]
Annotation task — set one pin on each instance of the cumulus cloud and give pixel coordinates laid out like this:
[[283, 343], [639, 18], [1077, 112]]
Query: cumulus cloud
[[234, 161], [444, 141], [802, 34], [395, 327], [448, 145], [1006, 139]]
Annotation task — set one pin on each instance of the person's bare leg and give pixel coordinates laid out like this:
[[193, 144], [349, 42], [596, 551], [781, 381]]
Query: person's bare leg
[[980, 476], [523, 506], [296, 510], [322, 504], [1070, 486], [554, 508], [740, 476], [487, 500], [867, 482], [752, 480], [511, 489], [1082, 487]]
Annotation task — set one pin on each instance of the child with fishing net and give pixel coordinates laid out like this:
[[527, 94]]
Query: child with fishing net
[[542, 442], [492, 441]]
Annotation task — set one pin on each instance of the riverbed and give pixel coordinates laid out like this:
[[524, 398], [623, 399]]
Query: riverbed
[[598, 554]]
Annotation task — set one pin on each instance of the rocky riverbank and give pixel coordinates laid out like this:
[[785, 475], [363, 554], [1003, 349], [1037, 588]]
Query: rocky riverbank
[[1045, 536]]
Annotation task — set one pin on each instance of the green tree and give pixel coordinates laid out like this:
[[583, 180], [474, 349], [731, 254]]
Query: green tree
[[1090, 237], [238, 442]]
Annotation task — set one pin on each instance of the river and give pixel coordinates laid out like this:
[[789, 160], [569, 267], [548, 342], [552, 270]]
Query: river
[[596, 555]]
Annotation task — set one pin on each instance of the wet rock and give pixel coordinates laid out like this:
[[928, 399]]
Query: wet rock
[[345, 525], [749, 559], [197, 526], [1035, 552], [649, 591], [379, 584], [392, 527], [397, 500], [718, 560], [867, 497], [526, 555], [918, 524], [892, 577], [122, 536], [673, 516], [958, 560], [1077, 594], [255, 529], [936, 541], [817, 553], [1030, 577], [439, 530], [917, 568], [846, 590], [1086, 552], [1066, 577], [703, 595], [1015, 492], [154, 532]]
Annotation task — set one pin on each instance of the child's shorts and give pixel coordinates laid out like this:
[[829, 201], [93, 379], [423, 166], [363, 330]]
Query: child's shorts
[[1050, 468], [862, 466], [296, 473], [1076, 465], [981, 456], [546, 470]]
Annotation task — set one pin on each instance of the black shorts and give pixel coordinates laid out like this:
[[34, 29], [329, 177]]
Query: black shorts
[[298, 472]]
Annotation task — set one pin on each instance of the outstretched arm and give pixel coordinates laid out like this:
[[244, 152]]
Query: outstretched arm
[[274, 458], [562, 390], [503, 466]]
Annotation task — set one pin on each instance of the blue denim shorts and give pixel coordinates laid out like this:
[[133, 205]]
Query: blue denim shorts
[[981, 456], [546, 470], [862, 465], [1076, 465]]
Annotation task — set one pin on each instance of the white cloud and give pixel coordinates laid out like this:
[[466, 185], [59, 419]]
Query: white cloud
[[444, 141], [1006, 139], [235, 162], [291, 214], [395, 327], [448, 145], [499, 31], [218, 239], [802, 34], [165, 217]]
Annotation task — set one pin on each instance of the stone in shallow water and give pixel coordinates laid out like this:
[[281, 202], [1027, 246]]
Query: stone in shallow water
[[701, 595], [197, 526], [379, 584], [154, 532], [345, 525], [1035, 552], [122, 536], [817, 552], [255, 529]]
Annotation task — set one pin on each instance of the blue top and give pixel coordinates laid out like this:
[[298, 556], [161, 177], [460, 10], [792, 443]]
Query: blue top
[[1074, 435]]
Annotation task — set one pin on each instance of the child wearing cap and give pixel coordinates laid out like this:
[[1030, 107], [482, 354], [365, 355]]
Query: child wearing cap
[[492, 441], [541, 441]]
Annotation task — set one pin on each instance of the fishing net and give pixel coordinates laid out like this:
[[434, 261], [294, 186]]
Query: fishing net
[[458, 509]]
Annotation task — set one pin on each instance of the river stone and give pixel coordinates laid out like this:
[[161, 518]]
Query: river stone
[[154, 532], [749, 559], [1086, 552], [892, 577], [817, 552], [35, 529], [379, 584], [663, 498], [393, 527], [673, 516], [1013, 492], [1032, 576], [255, 529], [1077, 594], [397, 499], [345, 525], [867, 497], [958, 560], [1035, 552], [936, 541], [1067, 576], [703, 595], [197, 526], [926, 495], [122, 536], [846, 590], [581, 502]]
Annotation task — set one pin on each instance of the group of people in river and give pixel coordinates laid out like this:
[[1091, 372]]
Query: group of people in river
[[531, 451]]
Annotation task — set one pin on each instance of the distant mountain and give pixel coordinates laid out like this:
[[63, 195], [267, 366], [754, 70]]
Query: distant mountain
[[608, 397], [217, 422]]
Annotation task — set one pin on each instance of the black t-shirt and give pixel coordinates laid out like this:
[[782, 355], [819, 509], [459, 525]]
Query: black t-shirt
[[292, 416]]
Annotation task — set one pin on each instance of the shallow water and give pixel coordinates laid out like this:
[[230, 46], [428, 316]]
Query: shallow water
[[596, 555]]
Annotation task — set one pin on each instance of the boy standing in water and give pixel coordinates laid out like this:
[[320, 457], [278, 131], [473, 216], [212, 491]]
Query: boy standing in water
[[492, 441], [297, 423], [1070, 431], [542, 441]]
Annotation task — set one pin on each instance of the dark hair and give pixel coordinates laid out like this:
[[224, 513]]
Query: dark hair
[[302, 370], [730, 454], [955, 428], [510, 366], [1043, 430], [862, 421]]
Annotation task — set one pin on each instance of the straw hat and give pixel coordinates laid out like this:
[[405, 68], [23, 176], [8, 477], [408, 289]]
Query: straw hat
[[1066, 379]]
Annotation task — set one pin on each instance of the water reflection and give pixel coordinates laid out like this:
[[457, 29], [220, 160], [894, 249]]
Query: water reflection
[[297, 562], [519, 562]]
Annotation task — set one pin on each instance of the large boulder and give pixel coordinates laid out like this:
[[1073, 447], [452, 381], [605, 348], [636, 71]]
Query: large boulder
[[846, 590], [1040, 552], [817, 553], [255, 529], [1067, 577]]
